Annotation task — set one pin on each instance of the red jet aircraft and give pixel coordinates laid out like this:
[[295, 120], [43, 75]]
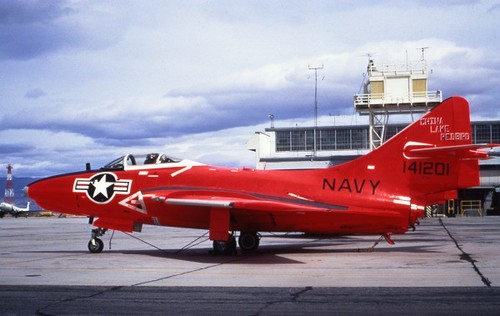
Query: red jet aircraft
[[383, 192]]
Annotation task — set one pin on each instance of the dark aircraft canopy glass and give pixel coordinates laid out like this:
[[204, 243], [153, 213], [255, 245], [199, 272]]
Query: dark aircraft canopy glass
[[139, 160]]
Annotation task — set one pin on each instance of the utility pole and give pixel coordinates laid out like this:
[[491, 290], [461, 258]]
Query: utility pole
[[315, 104]]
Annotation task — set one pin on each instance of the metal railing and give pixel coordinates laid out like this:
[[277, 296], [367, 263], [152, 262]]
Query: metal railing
[[368, 100], [471, 208]]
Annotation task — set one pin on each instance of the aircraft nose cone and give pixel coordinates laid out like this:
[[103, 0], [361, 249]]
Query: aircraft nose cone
[[38, 192], [31, 191], [53, 193]]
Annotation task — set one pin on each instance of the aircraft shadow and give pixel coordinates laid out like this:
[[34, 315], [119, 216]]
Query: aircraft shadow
[[265, 254], [280, 253]]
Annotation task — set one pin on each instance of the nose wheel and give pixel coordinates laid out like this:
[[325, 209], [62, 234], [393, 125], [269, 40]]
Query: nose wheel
[[95, 244]]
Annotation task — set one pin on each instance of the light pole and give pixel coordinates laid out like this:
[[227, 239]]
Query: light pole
[[315, 105]]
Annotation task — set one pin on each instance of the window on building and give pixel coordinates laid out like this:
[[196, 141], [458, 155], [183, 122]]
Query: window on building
[[495, 133], [327, 139], [390, 131], [298, 140], [419, 87], [309, 137], [482, 133], [343, 139], [283, 141], [359, 138]]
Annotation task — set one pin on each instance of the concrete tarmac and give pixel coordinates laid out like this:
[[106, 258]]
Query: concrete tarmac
[[446, 265]]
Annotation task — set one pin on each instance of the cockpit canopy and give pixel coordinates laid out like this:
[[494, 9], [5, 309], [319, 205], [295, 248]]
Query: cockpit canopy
[[152, 159]]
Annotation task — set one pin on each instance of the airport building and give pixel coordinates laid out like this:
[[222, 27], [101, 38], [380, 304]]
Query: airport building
[[387, 92]]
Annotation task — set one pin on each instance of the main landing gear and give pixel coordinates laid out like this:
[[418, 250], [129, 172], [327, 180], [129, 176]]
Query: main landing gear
[[248, 241], [95, 244]]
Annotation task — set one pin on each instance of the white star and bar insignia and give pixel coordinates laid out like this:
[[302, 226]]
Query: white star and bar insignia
[[102, 187]]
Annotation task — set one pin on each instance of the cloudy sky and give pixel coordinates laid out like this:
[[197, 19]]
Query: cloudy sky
[[87, 81]]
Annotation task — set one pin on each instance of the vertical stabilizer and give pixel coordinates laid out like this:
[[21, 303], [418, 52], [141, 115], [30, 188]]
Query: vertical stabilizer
[[427, 161]]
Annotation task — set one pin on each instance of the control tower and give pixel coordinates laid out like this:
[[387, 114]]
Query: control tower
[[394, 89]]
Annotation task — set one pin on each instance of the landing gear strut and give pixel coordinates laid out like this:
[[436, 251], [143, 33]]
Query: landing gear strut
[[95, 244]]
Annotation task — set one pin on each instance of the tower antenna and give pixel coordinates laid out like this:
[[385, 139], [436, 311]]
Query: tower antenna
[[422, 49]]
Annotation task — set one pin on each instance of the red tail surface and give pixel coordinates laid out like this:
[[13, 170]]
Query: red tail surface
[[426, 162]]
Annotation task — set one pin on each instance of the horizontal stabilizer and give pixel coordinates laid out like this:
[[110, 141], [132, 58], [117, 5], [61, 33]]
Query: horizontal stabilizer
[[468, 151]]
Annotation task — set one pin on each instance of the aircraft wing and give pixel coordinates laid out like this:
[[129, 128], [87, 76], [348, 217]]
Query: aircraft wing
[[246, 212], [225, 208], [248, 202], [253, 205]]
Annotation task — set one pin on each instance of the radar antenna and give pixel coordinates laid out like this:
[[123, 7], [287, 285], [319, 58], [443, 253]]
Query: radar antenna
[[422, 49]]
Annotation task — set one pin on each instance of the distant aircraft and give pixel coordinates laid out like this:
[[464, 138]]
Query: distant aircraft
[[7, 208], [383, 192]]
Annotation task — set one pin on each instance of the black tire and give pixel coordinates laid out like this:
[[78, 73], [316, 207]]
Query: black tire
[[224, 247], [97, 246], [249, 241]]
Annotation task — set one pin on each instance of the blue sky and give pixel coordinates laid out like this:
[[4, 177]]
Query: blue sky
[[87, 81]]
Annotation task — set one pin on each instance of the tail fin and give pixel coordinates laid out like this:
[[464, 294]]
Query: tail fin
[[429, 160]]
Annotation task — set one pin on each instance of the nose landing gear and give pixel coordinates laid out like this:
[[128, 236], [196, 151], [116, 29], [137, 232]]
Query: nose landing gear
[[95, 244]]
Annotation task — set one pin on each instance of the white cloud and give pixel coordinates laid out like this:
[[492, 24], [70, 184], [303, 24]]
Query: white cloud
[[184, 75], [45, 139]]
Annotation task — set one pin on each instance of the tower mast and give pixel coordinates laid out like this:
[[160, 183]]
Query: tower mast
[[9, 186], [315, 105]]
